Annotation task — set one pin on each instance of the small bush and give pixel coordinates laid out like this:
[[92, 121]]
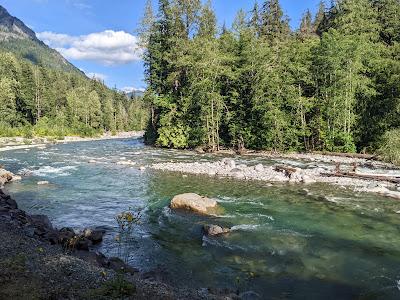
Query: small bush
[[27, 132], [390, 149], [117, 288]]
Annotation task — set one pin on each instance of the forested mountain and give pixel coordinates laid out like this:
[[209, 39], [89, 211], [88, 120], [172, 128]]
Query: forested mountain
[[333, 84], [43, 94], [17, 38]]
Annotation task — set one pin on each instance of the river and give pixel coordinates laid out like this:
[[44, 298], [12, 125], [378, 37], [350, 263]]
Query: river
[[286, 243]]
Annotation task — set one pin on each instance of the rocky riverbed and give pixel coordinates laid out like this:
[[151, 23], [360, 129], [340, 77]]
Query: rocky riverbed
[[38, 261], [323, 170], [17, 143]]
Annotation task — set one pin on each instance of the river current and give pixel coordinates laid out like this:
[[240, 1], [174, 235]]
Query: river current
[[286, 243]]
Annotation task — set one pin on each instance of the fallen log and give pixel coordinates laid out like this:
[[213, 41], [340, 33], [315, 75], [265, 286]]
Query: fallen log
[[285, 169], [349, 155], [386, 178]]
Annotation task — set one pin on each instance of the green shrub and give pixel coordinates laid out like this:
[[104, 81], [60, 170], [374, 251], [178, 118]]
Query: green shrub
[[173, 136], [390, 148], [27, 132], [7, 131]]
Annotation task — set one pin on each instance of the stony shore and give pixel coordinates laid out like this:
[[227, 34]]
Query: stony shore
[[322, 170], [37, 262], [14, 143]]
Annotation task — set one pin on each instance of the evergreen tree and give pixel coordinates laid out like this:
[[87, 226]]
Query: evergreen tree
[[8, 112], [274, 25], [306, 25]]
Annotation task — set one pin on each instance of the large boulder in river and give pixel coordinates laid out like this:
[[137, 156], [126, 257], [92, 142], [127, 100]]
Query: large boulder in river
[[193, 202]]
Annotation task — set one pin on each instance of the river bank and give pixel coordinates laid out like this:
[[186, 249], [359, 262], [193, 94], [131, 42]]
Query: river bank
[[355, 173], [15, 143], [36, 264]]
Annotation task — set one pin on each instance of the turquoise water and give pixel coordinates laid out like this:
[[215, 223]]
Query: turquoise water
[[286, 243]]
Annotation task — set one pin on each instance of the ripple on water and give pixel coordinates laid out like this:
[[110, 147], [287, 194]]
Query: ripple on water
[[53, 171]]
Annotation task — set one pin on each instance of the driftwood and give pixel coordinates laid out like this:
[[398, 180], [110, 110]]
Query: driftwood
[[386, 178], [285, 169], [349, 155]]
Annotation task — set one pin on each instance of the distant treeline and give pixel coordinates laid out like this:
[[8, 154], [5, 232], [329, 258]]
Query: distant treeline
[[333, 84], [41, 101]]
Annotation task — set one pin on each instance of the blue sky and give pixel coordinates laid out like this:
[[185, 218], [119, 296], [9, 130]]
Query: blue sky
[[98, 35]]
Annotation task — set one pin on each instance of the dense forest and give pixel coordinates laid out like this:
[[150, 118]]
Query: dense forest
[[333, 84], [41, 101]]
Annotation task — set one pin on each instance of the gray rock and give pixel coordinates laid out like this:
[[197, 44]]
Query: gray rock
[[306, 179], [83, 244], [65, 235], [118, 264], [41, 221], [230, 163], [214, 230], [94, 235], [296, 178], [29, 231], [259, 168]]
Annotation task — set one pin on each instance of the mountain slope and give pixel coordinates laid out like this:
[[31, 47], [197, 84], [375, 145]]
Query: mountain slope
[[19, 39]]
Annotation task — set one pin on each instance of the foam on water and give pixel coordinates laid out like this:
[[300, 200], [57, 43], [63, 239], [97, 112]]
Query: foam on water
[[245, 227], [49, 170]]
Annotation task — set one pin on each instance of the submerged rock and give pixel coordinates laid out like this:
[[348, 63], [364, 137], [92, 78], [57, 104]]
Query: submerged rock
[[126, 163], [193, 202], [214, 230], [249, 295]]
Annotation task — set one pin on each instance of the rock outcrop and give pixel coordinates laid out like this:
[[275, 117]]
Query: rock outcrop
[[6, 176], [193, 202]]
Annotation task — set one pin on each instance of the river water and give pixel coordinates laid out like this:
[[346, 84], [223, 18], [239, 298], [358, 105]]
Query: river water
[[286, 243]]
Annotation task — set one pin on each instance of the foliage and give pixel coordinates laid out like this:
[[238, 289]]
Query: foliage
[[116, 288], [331, 85], [390, 149], [45, 101], [126, 221]]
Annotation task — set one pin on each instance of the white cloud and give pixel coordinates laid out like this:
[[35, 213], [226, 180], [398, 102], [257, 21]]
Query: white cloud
[[97, 76], [129, 89], [56, 39], [108, 47]]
